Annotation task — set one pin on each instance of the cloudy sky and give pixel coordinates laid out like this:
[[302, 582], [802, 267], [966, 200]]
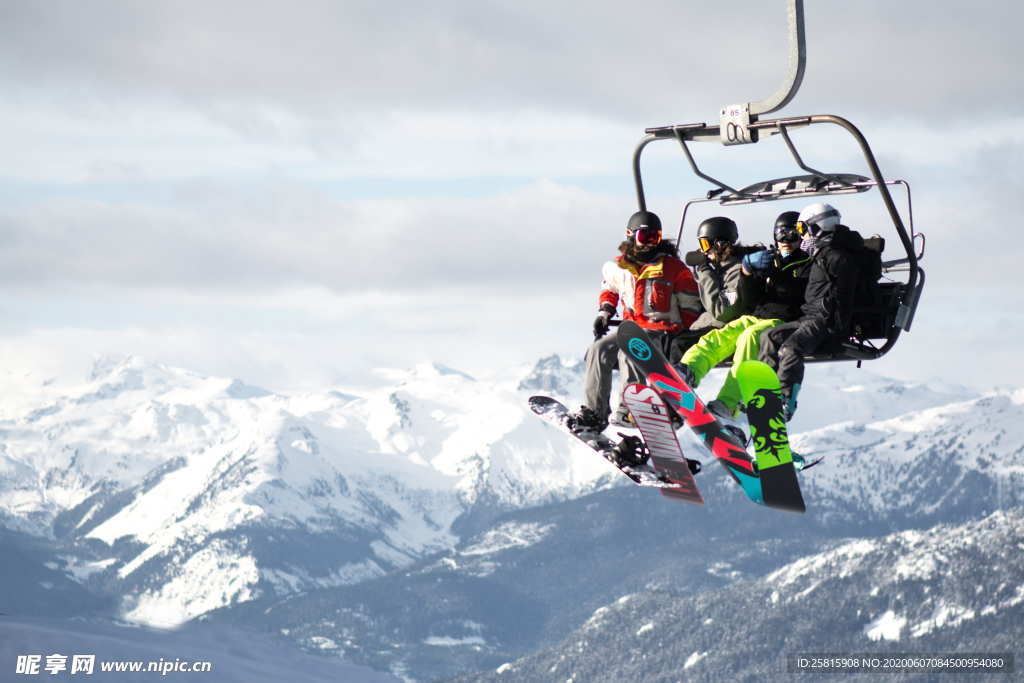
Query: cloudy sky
[[297, 192]]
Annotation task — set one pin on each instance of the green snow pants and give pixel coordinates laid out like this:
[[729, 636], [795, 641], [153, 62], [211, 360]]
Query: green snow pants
[[740, 339]]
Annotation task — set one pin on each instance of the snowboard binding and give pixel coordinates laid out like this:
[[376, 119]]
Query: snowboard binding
[[737, 433], [631, 451]]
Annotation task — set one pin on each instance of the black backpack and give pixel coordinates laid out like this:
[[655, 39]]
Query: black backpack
[[870, 257], [869, 319]]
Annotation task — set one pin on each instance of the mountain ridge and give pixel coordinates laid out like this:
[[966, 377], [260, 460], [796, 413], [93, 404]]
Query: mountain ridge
[[814, 604]]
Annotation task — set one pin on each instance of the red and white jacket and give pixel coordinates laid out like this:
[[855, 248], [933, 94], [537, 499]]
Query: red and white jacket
[[661, 295]]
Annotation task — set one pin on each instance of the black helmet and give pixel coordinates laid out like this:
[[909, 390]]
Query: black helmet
[[642, 220], [785, 227], [717, 229]]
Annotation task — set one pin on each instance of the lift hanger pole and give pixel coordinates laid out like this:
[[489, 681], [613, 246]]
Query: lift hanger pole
[[797, 62], [735, 119]]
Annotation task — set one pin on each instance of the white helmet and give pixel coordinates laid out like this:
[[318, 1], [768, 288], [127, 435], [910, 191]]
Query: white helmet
[[817, 218]]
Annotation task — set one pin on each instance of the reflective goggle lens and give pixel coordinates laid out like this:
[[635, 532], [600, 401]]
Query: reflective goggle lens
[[801, 228], [705, 243], [793, 236], [648, 236]]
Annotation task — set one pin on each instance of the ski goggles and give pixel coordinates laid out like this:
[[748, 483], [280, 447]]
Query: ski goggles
[[789, 236], [705, 244], [803, 228], [647, 236]]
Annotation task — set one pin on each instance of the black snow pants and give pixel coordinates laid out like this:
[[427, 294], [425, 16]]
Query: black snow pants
[[783, 347]]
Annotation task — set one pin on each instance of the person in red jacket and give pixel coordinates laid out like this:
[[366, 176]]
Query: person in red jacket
[[656, 290]]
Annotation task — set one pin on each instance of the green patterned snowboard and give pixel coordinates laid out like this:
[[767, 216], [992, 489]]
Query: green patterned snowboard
[[759, 386]]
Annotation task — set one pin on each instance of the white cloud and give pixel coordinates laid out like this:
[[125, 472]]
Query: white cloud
[[163, 140], [453, 172], [294, 339], [283, 235]]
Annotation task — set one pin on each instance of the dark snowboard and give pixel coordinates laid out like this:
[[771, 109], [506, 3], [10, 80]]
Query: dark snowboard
[[555, 413]]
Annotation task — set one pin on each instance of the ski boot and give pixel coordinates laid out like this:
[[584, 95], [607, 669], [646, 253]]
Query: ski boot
[[622, 418], [586, 420], [686, 373], [800, 463], [727, 418], [738, 434], [718, 408], [789, 400]]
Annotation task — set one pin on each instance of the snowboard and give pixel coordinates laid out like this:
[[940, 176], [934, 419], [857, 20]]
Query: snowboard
[[759, 386], [651, 363], [654, 420], [554, 412]]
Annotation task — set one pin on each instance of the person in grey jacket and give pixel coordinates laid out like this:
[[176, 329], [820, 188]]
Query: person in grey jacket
[[717, 267]]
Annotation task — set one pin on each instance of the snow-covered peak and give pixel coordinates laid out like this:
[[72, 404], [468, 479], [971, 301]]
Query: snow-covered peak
[[104, 366], [554, 376], [482, 436], [967, 454], [421, 372], [239, 389], [133, 373], [840, 392]]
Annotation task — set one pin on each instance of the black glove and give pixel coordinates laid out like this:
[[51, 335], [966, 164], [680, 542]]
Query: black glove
[[601, 321], [695, 258]]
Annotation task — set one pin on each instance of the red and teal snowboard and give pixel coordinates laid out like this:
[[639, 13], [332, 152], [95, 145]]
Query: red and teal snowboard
[[648, 359]]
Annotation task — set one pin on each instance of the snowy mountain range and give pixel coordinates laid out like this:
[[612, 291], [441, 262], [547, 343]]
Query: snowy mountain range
[[956, 589], [157, 495], [186, 493]]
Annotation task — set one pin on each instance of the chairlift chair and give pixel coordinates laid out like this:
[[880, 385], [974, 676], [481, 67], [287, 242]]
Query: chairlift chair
[[880, 325]]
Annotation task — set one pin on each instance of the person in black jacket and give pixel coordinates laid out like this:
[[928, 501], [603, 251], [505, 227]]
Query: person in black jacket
[[828, 301], [771, 287]]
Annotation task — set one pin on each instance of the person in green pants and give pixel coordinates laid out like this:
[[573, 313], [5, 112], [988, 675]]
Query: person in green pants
[[771, 287]]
